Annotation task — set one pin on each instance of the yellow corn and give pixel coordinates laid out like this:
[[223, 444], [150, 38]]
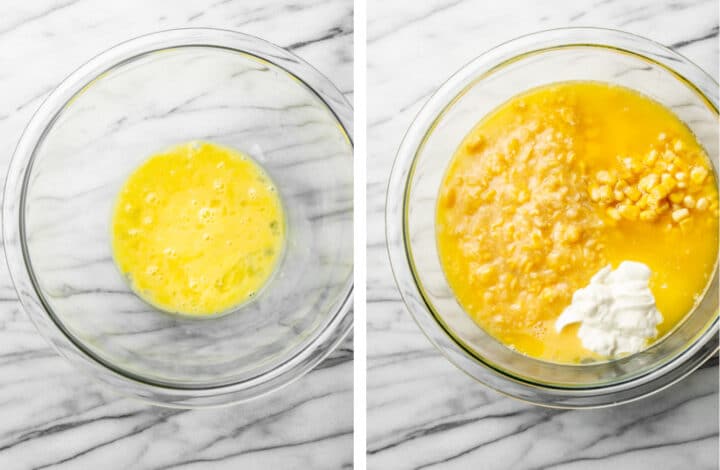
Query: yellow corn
[[698, 174], [613, 213], [680, 214], [628, 212], [606, 194], [651, 157], [648, 182], [475, 143], [676, 197], [668, 181], [633, 193], [572, 234], [659, 192], [486, 272], [603, 177], [648, 215]]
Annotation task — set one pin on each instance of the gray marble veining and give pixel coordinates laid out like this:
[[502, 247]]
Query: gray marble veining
[[422, 411], [51, 416]]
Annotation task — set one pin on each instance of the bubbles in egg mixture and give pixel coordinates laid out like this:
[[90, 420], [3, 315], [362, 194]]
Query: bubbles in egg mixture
[[198, 229]]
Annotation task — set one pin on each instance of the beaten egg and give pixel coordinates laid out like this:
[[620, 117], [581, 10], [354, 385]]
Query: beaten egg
[[198, 229]]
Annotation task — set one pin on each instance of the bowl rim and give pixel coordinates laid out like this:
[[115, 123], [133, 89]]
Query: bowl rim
[[302, 360], [399, 251]]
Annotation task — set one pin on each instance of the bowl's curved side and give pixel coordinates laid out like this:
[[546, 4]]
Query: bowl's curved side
[[333, 332]]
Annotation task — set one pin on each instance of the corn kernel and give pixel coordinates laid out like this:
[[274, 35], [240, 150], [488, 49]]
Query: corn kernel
[[633, 193], [651, 157], [536, 237], [486, 273], [668, 181], [613, 213], [628, 212], [680, 214], [619, 195], [648, 182], [689, 201], [475, 143], [643, 202], [657, 193], [606, 194], [698, 174], [554, 259], [662, 136], [547, 294], [702, 204], [676, 197], [648, 215], [678, 145], [488, 195], [603, 177], [450, 197], [572, 234]]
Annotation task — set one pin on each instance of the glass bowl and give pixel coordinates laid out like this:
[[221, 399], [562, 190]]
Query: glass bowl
[[139, 98], [478, 88]]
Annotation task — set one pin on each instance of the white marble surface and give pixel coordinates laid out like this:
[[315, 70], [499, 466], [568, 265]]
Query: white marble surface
[[422, 411], [52, 417]]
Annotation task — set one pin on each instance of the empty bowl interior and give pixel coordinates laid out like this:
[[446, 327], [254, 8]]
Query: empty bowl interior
[[483, 94], [144, 105]]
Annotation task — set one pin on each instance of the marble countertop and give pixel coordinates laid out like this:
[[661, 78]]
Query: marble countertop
[[50, 416], [422, 411]]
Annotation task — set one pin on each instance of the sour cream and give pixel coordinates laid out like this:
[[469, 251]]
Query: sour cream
[[616, 311]]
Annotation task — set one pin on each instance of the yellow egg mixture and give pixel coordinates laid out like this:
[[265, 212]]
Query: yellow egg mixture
[[198, 229], [557, 183]]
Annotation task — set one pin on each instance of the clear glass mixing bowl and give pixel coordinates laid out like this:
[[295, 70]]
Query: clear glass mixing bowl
[[478, 88], [115, 111]]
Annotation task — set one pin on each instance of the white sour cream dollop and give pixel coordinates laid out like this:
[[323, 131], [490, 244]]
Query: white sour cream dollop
[[616, 311]]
